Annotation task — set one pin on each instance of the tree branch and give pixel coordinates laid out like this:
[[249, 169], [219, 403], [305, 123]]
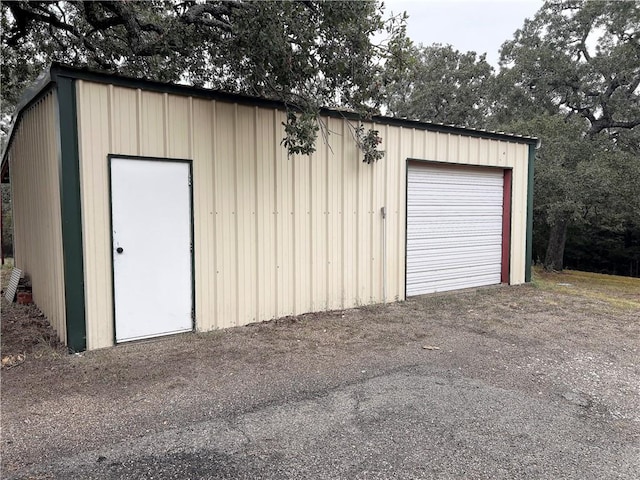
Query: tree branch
[[103, 23], [211, 14], [634, 86], [605, 123], [26, 16]]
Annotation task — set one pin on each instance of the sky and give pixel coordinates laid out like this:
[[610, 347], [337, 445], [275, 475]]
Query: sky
[[481, 26]]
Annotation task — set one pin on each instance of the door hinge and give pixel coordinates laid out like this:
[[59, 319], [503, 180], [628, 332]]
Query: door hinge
[[190, 180], [191, 247]]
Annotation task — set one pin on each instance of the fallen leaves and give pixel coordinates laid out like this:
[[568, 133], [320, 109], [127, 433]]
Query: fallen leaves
[[9, 361]]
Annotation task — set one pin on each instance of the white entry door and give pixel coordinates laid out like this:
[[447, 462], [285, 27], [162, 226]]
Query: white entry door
[[152, 249]]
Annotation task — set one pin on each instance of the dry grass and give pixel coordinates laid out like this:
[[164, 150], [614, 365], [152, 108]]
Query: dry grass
[[621, 292]]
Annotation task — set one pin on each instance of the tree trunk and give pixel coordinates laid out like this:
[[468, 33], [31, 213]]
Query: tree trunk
[[554, 258]]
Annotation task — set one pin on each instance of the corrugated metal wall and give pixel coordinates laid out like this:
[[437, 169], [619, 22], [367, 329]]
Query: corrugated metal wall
[[37, 224], [274, 236]]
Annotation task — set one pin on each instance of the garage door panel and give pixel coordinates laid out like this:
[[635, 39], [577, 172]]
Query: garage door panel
[[435, 286], [465, 255], [455, 262], [454, 228], [453, 210], [484, 200], [458, 229], [437, 265], [451, 273], [444, 175], [462, 189], [434, 244], [454, 222], [484, 235], [440, 198]]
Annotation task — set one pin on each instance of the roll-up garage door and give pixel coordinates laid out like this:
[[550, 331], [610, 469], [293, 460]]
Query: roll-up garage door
[[454, 227]]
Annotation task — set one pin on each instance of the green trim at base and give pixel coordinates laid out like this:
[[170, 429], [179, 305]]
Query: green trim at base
[[72, 249], [529, 245]]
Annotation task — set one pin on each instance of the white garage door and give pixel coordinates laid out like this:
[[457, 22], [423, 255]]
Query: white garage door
[[454, 227]]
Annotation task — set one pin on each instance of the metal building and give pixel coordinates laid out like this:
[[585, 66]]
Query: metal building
[[144, 209]]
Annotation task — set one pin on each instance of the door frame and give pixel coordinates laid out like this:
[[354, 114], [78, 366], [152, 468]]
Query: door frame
[[505, 261], [187, 161]]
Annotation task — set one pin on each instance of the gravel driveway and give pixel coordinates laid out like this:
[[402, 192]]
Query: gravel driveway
[[514, 382]]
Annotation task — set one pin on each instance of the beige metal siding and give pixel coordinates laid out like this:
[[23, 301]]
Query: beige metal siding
[[35, 187], [98, 129], [274, 236]]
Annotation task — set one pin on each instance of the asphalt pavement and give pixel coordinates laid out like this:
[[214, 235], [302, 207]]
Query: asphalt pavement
[[477, 403]]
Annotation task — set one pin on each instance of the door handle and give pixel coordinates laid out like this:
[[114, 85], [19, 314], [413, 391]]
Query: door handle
[[119, 249]]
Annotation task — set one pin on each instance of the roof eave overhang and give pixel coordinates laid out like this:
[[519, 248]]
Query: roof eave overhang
[[48, 78]]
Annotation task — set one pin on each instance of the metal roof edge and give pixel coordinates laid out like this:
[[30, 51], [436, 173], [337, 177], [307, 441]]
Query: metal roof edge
[[56, 69], [165, 87], [450, 128]]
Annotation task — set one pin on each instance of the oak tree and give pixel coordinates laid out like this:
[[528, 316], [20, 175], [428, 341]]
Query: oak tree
[[573, 70], [308, 54], [437, 83]]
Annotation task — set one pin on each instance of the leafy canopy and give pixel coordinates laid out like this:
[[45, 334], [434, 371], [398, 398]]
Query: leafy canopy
[[308, 54], [582, 58], [571, 76], [440, 84]]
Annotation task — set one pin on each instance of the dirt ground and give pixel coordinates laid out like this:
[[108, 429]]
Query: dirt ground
[[571, 337], [26, 332]]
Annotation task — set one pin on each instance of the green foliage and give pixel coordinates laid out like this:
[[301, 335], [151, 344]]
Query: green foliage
[[590, 248], [368, 143], [439, 84], [579, 57], [307, 54], [588, 185], [570, 76], [300, 133], [557, 191]]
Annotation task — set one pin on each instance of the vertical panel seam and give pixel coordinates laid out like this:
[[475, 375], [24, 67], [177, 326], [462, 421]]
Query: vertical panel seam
[[529, 235], [139, 120], [256, 203], [357, 222], [190, 127], [327, 263], [311, 216], [372, 196], [385, 255], [216, 239], [294, 263], [236, 213], [110, 114], [275, 208], [343, 217], [165, 124]]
